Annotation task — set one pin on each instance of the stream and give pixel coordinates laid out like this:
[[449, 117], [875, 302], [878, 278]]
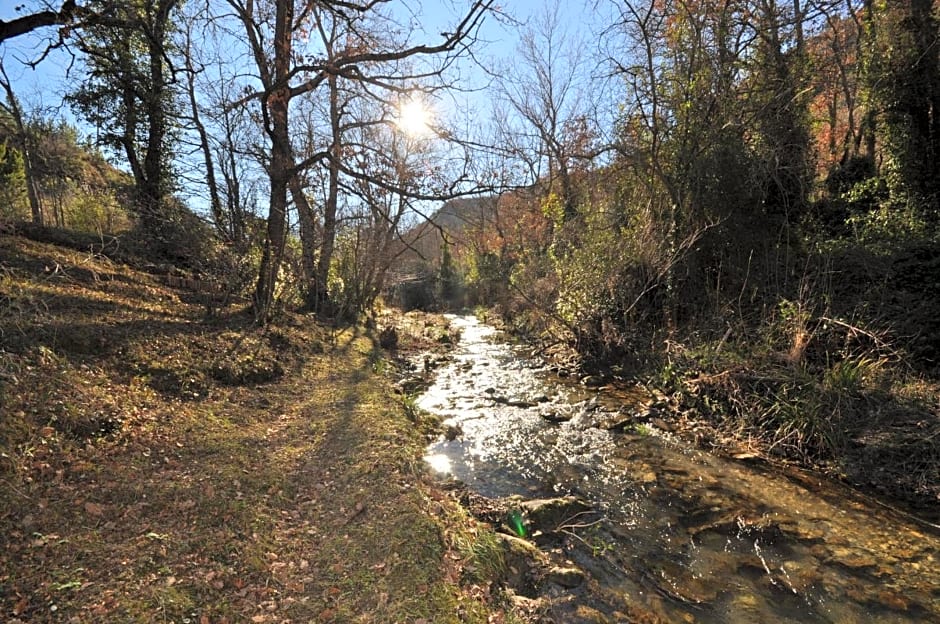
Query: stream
[[686, 536]]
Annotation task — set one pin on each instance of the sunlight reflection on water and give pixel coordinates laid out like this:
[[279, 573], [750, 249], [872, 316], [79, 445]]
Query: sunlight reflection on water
[[439, 463], [688, 534]]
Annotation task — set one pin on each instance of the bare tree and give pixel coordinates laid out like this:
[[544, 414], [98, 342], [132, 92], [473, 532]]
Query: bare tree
[[192, 69], [543, 91], [286, 72]]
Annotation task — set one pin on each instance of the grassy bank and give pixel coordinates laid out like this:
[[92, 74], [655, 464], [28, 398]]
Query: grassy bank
[[801, 388], [860, 417], [156, 465]]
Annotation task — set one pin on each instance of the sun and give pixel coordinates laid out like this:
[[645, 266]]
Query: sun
[[414, 118]]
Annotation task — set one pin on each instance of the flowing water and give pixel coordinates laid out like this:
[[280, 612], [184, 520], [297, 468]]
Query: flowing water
[[687, 536]]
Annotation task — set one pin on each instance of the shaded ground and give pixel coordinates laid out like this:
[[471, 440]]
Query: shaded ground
[[159, 466]]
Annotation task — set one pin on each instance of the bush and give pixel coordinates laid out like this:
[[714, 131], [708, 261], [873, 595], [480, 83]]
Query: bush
[[97, 212]]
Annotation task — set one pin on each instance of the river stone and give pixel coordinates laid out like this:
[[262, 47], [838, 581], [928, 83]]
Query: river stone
[[661, 424], [852, 559], [555, 416], [523, 603], [520, 557], [549, 514], [680, 583], [523, 403], [613, 421], [647, 477], [517, 550], [452, 432], [513, 402], [798, 576], [565, 577], [410, 385]]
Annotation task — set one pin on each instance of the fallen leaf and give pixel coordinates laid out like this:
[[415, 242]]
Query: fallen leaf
[[20, 606]]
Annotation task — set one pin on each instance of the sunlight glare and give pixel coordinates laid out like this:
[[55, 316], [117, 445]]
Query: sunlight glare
[[439, 463], [414, 118]]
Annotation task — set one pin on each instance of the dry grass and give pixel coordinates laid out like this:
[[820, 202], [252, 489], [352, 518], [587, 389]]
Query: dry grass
[[859, 416], [157, 467]]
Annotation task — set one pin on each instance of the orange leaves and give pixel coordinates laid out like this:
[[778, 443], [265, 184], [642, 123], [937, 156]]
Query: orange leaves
[[94, 509]]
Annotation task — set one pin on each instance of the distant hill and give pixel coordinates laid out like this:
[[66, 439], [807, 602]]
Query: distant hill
[[73, 185], [455, 218]]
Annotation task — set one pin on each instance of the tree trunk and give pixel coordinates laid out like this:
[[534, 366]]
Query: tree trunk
[[154, 188], [32, 191], [328, 244], [215, 201], [869, 123], [308, 243], [923, 111], [277, 106]]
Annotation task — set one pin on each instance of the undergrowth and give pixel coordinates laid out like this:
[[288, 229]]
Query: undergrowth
[[822, 392]]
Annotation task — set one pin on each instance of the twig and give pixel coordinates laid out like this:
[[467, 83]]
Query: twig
[[565, 524], [881, 343], [14, 489]]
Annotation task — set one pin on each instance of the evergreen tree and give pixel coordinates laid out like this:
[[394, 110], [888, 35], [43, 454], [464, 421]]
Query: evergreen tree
[[12, 182], [904, 78], [129, 95]]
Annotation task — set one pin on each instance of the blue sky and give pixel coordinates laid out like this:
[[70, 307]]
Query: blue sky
[[44, 86]]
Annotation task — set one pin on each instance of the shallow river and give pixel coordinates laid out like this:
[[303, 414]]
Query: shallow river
[[687, 536]]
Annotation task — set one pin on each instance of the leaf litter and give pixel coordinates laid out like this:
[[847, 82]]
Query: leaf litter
[[158, 466]]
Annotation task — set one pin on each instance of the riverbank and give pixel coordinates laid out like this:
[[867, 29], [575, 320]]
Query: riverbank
[[159, 465], [865, 420]]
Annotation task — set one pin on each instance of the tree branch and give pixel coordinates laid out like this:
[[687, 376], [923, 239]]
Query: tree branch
[[34, 21]]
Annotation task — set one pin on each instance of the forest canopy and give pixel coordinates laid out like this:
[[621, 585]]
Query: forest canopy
[[650, 170]]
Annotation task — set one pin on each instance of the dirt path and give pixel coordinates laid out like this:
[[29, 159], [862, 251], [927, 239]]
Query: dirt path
[[156, 467]]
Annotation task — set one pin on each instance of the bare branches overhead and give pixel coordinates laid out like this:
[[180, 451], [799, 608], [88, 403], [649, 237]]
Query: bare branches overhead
[[40, 19]]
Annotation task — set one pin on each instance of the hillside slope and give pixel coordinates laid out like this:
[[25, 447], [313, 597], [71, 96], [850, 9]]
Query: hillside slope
[[159, 466]]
